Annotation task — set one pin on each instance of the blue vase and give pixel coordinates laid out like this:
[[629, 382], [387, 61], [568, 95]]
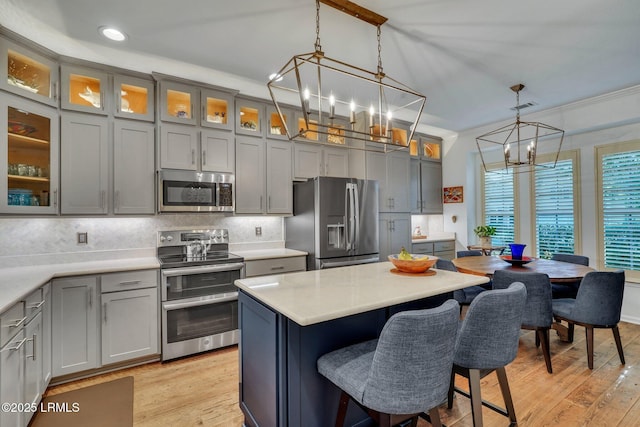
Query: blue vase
[[516, 250]]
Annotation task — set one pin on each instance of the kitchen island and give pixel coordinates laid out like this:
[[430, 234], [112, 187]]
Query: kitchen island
[[287, 321]]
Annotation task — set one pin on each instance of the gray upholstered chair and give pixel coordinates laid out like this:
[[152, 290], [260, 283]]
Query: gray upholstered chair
[[567, 289], [463, 296], [538, 314], [488, 341], [402, 374], [597, 305], [461, 254]]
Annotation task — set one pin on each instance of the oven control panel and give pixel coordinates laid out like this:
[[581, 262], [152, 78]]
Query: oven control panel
[[184, 237]]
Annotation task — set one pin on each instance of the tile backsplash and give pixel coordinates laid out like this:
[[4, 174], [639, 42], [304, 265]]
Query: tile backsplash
[[35, 236]]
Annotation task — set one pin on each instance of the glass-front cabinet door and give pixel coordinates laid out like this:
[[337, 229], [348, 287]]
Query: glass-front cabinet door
[[425, 148], [249, 117], [276, 124], [84, 89], [217, 109], [133, 98], [30, 147], [28, 74], [177, 103]]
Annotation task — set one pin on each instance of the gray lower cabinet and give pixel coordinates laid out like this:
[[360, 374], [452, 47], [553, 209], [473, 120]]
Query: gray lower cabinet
[[263, 267], [129, 317], [75, 333], [22, 357], [395, 233], [442, 249], [93, 328]]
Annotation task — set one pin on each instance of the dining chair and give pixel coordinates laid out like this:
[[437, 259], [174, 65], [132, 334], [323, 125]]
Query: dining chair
[[598, 304], [403, 373], [538, 314], [487, 342], [461, 254], [567, 289], [464, 296]]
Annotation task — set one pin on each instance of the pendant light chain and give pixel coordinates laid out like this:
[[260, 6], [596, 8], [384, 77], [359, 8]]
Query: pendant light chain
[[318, 47], [380, 72]]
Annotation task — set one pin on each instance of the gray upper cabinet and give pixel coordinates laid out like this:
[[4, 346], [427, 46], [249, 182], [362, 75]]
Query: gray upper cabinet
[[84, 164], [392, 172], [217, 109], [29, 74], [84, 89], [312, 159], [134, 98], [431, 187], [217, 151], [276, 125], [426, 176], [178, 102], [250, 175], [133, 167], [178, 147], [250, 117]]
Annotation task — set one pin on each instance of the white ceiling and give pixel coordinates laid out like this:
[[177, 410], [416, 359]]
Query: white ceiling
[[462, 54]]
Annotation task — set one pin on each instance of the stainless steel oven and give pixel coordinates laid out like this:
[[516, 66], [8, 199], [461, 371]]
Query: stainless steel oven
[[187, 191], [199, 298]]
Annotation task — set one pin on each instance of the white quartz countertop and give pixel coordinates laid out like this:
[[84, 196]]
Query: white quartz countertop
[[256, 254], [18, 282], [316, 296]]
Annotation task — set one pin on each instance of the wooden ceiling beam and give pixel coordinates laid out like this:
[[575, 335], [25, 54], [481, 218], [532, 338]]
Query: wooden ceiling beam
[[356, 11]]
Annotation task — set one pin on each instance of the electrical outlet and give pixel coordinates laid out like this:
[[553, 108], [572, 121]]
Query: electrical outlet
[[258, 231], [82, 238]]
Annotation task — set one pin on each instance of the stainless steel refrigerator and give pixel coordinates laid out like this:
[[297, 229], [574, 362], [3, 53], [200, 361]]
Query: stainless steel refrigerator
[[335, 220]]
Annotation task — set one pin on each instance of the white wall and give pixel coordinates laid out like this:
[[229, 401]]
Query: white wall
[[606, 119]]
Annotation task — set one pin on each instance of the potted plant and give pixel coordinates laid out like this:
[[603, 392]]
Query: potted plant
[[484, 233]]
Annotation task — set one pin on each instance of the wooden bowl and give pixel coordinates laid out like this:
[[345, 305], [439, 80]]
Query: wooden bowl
[[417, 264]]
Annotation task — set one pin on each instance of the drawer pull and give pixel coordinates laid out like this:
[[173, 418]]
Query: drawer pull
[[280, 267], [18, 345], [130, 282], [37, 306], [18, 322]]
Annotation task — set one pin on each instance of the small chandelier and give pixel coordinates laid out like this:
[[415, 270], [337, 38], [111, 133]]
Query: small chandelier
[[325, 88], [520, 143]]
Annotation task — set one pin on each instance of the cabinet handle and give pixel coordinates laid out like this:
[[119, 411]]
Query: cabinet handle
[[55, 198], [191, 115], [203, 117], [104, 309], [55, 91], [19, 345], [33, 348], [193, 156], [116, 200], [393, 203], [280, 267], [130, 282], [204, 157], [102, 100], [90, 297], [269, 203], [18, 323], [260, 202], [37, 305]]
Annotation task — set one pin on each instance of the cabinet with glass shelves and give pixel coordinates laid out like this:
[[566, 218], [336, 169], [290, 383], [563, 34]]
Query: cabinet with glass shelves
[[134, 97], [30, 149], [217, 109], [425, 148], [249, 117], [177, 102], [29, 74]]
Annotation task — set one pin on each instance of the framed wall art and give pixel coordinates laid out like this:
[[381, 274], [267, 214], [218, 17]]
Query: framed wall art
[[452, 194]]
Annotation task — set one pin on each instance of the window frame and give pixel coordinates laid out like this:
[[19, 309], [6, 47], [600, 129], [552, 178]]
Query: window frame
[[600, 152], [574, 156], [516, 198]]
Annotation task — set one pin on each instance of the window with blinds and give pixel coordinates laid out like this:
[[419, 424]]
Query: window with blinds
[[554, 207], [499, 206], [621, 209]]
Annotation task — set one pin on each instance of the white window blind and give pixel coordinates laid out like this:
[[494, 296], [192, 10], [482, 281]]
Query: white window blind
[[621, 209], [554, 202], [499, 206]]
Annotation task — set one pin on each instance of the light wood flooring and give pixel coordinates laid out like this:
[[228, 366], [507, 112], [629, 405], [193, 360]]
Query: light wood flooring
[[203, 390]]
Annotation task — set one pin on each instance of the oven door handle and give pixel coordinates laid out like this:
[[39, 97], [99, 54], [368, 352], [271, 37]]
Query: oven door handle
[[209, 301], [170, 272]]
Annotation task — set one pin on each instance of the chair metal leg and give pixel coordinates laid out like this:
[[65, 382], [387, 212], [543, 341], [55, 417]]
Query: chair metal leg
[[616, 336], [476, 397], [542, 335], [506, 394], [589, 332], [342, 409]]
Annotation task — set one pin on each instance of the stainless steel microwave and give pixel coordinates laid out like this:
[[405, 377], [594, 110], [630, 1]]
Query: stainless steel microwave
[[186, 191]]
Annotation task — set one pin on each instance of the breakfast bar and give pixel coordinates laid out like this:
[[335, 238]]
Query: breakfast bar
[[287, 321]]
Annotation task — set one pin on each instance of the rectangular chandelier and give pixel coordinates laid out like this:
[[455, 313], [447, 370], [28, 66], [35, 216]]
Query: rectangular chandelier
[[327, 89]]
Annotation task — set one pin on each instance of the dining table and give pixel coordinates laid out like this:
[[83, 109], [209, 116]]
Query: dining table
[[557, 271]]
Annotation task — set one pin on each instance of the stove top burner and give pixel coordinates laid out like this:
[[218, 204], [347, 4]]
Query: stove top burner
[[191, 248]]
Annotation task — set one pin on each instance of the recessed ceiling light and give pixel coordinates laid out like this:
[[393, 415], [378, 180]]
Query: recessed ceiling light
[[112, 34]]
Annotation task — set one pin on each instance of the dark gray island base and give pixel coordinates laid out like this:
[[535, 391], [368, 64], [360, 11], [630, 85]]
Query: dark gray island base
[[288, 321]]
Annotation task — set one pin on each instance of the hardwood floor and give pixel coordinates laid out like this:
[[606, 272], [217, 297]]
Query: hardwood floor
[[203, 390]]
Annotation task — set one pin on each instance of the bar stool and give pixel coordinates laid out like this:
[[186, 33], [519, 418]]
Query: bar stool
[[402, 374]]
